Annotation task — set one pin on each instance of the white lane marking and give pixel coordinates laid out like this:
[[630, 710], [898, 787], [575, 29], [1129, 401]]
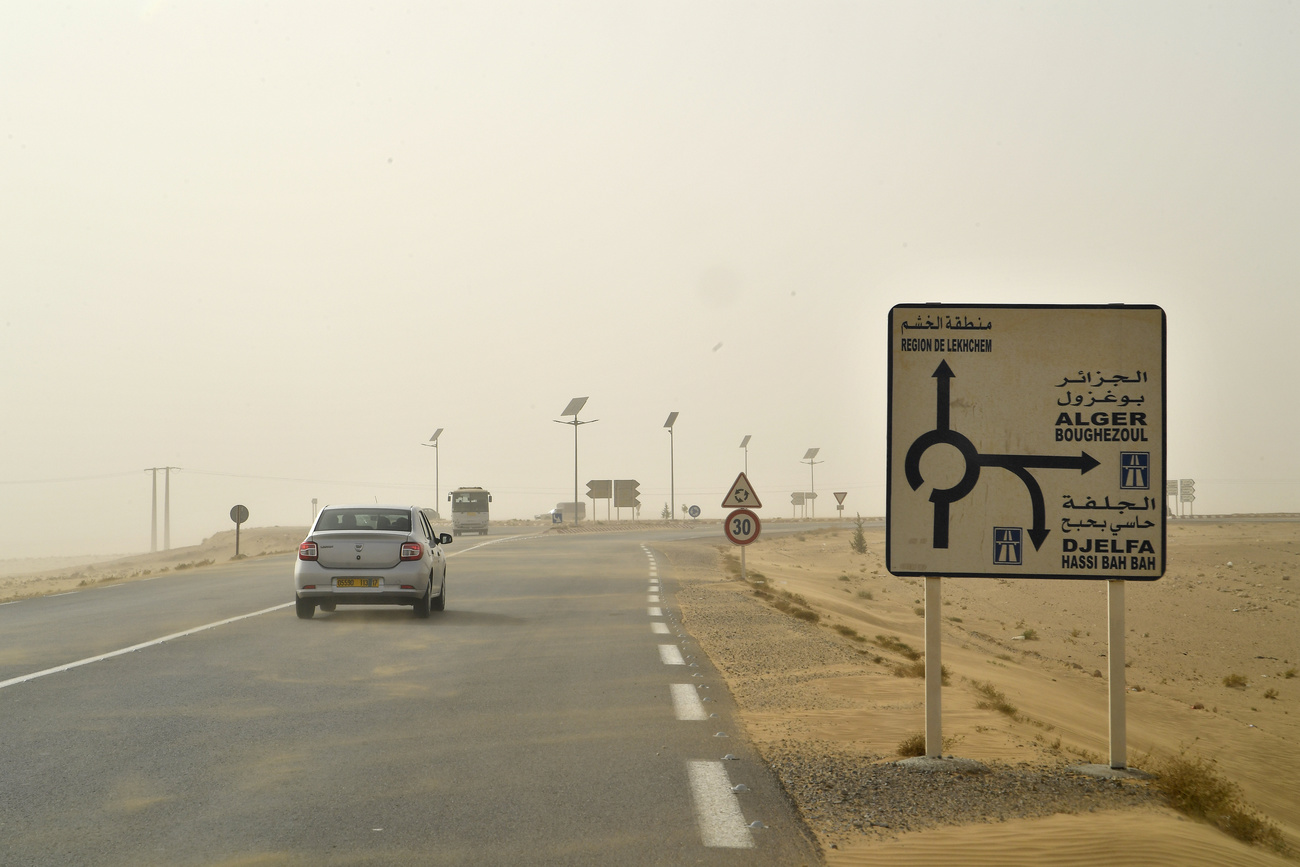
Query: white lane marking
[[654, 597], [489, 542], [686, 702], [659, 628], [670, 654], [80, 662], [717, 810], [654, 612], [57, 595]]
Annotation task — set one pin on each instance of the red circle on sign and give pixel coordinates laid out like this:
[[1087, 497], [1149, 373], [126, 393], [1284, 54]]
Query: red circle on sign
[[742, 526]]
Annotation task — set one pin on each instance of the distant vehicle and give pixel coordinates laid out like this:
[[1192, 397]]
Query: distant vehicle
[[469, 510], [566, 512], [371, 555]]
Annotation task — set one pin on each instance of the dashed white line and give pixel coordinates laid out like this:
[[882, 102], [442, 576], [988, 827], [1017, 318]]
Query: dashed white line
[[722, 824], [654, 597], [670, 654], [659, 628], [686, 702], [654, 612]]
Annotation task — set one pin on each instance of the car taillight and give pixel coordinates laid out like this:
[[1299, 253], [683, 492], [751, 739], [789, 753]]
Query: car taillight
[[412, 551], [307, 551]]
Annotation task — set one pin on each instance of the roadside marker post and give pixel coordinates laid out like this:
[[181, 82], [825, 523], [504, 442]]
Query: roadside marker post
[[1027, 441]]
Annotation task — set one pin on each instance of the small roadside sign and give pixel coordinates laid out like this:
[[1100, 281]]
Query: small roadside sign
[[840, 495], [742, 526], [741, 495]]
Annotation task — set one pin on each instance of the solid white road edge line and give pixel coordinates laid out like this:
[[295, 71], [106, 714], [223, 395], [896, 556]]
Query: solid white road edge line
[[135, 647], [722, 824]]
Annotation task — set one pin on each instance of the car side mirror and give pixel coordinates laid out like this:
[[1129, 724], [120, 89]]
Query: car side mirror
[[444, 539]]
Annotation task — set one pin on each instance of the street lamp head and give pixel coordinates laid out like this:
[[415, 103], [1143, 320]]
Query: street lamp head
[[433, 440], [745, 442], [672, 419], [812, 453]]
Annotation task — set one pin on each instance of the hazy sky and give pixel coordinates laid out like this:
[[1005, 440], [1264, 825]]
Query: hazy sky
[[278, 244]]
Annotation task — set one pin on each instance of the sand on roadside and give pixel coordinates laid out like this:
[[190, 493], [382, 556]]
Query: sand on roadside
[[822, 703], [47, 576]]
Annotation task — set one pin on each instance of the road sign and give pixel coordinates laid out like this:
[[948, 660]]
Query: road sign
[[1026, 440], [742, 526], [796, 499], [840, 495], [742, 494], [599, 489], [239, 514], [1187, 490], [694, 511], [626, 493]]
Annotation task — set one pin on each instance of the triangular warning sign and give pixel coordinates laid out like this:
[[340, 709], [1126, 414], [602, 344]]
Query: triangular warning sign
[[741, 495]]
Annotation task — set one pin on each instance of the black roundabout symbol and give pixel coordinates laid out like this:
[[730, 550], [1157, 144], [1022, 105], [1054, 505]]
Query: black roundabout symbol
[[943, 498]]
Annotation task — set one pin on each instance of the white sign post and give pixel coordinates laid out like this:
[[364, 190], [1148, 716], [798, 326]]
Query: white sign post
[[1026, 441]]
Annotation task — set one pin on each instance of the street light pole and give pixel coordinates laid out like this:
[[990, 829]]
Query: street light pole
[[437, 492], [812, 486], [575, 406], [672, 472], [744, 444]]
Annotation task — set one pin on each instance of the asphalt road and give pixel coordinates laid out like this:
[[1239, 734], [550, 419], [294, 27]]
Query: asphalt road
[[537, 721]]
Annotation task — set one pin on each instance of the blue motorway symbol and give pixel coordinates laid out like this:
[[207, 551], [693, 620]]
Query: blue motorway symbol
[[1008, 546], [1135, 471], [1019, 465]]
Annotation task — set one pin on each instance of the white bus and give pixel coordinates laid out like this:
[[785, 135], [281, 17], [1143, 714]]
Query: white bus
[[469, 510]]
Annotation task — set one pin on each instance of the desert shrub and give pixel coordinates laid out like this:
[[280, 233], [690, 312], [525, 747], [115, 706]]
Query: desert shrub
[[858, 542], [892, 643], [1029, 635], [1270, 693], [917, 669], [806, 614], [848, 632], [1235, 681], [994, 699], [866, 594], [1289, 673], [912, 745], [1194, 787]]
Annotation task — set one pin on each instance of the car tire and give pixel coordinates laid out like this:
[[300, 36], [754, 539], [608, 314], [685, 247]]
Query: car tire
[[421, 606], [306, 608], [440, 604]]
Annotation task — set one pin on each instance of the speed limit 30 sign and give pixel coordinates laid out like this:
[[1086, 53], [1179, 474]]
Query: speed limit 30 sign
[[742, 526]]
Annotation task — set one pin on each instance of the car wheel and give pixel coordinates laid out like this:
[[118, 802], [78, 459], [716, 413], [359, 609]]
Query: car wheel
[[422, 604], [440, 604], [306, 608]]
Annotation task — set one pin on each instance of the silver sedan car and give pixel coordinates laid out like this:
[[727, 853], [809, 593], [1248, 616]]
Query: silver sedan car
[[371, 555]]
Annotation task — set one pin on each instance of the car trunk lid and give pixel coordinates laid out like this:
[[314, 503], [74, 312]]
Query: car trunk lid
[[370, 550]]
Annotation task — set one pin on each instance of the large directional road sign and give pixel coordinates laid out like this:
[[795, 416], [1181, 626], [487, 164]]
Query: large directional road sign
[[626, 494], [1026, 441]]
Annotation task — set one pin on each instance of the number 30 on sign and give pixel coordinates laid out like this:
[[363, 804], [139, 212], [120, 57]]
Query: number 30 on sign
[[742, 526]]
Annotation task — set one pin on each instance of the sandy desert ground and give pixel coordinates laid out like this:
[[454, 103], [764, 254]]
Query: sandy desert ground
[[1213, 650], [823, 702]]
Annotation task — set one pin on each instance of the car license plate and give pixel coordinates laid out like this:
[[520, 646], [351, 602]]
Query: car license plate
[[357, 582]]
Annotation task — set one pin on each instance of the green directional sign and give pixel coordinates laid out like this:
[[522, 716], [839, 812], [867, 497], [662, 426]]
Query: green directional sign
[[1026, 441]]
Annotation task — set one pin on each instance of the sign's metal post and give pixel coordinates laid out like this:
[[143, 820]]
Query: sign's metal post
[[933, 670], [1115, 660], [744, 575]]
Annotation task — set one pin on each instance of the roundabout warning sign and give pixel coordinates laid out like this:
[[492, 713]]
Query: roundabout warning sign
[[1026, 441]]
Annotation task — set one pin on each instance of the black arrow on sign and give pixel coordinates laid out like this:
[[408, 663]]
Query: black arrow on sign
[[1020, 464]]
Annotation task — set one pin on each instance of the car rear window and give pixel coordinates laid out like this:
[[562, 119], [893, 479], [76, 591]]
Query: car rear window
[[364, 519]]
